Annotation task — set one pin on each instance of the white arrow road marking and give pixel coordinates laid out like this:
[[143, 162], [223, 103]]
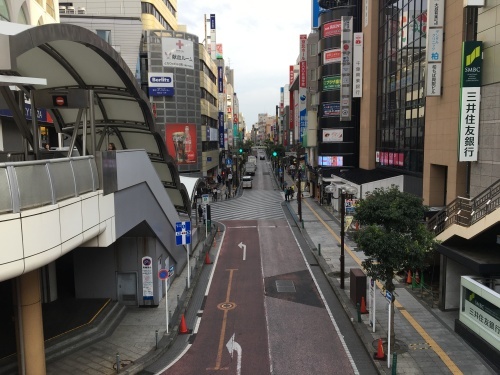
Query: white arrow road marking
[[232, 346], [244, 247]]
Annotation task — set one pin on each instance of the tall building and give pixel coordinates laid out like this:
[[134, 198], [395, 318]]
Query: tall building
[[423, 103]]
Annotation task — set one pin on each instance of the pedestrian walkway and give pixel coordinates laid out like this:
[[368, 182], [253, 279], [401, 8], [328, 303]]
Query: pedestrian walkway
[[425, 340]]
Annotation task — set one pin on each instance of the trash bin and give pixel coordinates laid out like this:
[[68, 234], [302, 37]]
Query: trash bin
[[358, 285]]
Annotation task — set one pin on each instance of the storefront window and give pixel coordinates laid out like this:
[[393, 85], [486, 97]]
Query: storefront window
[[400, 104]]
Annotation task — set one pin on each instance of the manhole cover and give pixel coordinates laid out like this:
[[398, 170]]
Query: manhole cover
[[285, 286]]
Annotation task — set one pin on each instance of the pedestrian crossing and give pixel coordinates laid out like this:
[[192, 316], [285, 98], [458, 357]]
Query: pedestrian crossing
[[251, 205]]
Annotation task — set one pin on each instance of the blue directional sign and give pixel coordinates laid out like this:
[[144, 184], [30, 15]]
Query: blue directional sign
[[183, 232]]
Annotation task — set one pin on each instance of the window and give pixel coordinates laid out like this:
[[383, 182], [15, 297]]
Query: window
[[104, 35], [21, 17], [4, 11], [49, 7]]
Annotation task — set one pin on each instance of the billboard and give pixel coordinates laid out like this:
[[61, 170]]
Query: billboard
[[180, 140], [177, 53], [161, 84]]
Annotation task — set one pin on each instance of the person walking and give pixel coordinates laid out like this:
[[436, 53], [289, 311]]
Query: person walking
[[214, 194], [200, 212], [286, 194]]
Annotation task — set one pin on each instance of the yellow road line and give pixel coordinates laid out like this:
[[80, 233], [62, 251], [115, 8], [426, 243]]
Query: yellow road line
[[434, 345], [224, 321]]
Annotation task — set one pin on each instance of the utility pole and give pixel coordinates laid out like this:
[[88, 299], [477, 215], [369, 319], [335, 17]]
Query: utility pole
[[299, 192], [342, 238]]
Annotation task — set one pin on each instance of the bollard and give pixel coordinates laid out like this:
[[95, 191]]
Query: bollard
[[156, 339], [177, 300], [394, 363], [302, 224], [117, 363], [359, 312], [319, 249]]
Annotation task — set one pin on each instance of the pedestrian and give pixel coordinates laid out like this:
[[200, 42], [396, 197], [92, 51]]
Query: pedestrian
[[292, 192], [228, 193], [219, 178], [200, 212], [214, 194], [111, 146], [218, 193], [286, 194]]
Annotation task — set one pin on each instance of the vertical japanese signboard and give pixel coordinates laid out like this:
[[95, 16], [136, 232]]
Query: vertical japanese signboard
[[213, 42], [357, 66], [147, 278], [302, 87], [434, 47], [346, 69], [470, 96]]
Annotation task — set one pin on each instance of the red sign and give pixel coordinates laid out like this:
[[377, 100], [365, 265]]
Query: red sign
[[181, 142], [332, 29], [331, 56], [235, 118], [60, 101], [303, 74], [292, 75]]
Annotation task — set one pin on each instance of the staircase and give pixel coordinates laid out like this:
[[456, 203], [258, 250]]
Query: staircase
[[468, 215]]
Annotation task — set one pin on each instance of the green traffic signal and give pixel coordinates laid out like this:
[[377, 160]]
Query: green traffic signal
[[275, 153], [241, 150]]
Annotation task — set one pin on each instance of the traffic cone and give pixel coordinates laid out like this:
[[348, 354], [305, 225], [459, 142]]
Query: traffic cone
[[380, 351], [363, 309], [182, 327], [408, 278], [207, 258]]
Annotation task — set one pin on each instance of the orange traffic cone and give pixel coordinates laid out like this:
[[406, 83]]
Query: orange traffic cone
[[408, 278], [182, 327], [207, 259], [363, 309], [380, 351]]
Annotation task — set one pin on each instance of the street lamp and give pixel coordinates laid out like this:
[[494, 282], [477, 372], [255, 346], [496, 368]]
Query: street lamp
[[342, 237], [299, 192]]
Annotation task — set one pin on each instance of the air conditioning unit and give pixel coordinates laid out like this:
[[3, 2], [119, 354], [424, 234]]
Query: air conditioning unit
[[62, 9], [70, 10], [81, 10]]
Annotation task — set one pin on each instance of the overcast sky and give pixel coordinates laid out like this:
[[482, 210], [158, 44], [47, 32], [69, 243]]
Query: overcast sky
[[260, 41]]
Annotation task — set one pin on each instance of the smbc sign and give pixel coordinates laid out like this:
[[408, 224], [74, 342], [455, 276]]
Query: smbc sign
[[472, 61]]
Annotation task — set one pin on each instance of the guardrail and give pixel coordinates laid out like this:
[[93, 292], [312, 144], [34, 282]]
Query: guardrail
[[31, 184], [465, 211]]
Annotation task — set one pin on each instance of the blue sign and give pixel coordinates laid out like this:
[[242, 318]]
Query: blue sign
[[41, 114], [221, 129], [163, 274], [183, 232], [161, 84], [229, 161], [388, 296]]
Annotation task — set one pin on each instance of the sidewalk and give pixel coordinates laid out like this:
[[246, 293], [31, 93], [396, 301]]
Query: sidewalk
[[425, 340]]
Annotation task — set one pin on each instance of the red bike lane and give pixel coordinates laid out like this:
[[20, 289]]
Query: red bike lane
[[232, 336]]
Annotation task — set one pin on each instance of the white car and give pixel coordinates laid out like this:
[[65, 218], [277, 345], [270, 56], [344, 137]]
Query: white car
[[246, 182]]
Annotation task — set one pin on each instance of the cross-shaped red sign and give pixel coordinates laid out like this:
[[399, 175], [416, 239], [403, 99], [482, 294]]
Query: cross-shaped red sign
[[179, 44]]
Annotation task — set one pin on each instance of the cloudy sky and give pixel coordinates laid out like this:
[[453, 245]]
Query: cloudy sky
[[260, 41]]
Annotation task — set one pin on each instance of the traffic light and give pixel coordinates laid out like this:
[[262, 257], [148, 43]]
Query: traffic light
[[241, 150], [275, 153]]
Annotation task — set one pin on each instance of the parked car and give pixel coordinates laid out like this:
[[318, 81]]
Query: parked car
[[247, 182]]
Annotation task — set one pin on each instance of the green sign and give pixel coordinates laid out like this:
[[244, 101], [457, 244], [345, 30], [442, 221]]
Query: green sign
[[472, 61], [331, 83]]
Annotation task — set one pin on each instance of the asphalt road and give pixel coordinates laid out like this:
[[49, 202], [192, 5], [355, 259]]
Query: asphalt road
[[263, 313]]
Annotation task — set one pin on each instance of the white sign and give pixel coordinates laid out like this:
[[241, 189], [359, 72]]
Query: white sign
[[147, 278], [357, 66], [433, 79], [474, 3], [435, 13], [366, 13], [469, 123], [435, 45], [177, 53], [333, 135]]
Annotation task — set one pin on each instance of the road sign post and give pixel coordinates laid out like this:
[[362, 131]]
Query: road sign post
[[388, 296], [163, 275], [372, 300], [183, 237]]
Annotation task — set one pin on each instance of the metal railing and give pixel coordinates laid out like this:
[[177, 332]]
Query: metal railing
[[465, 211], [31, 184]]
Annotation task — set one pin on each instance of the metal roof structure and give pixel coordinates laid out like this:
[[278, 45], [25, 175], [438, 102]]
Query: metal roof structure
[[71, 58]]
